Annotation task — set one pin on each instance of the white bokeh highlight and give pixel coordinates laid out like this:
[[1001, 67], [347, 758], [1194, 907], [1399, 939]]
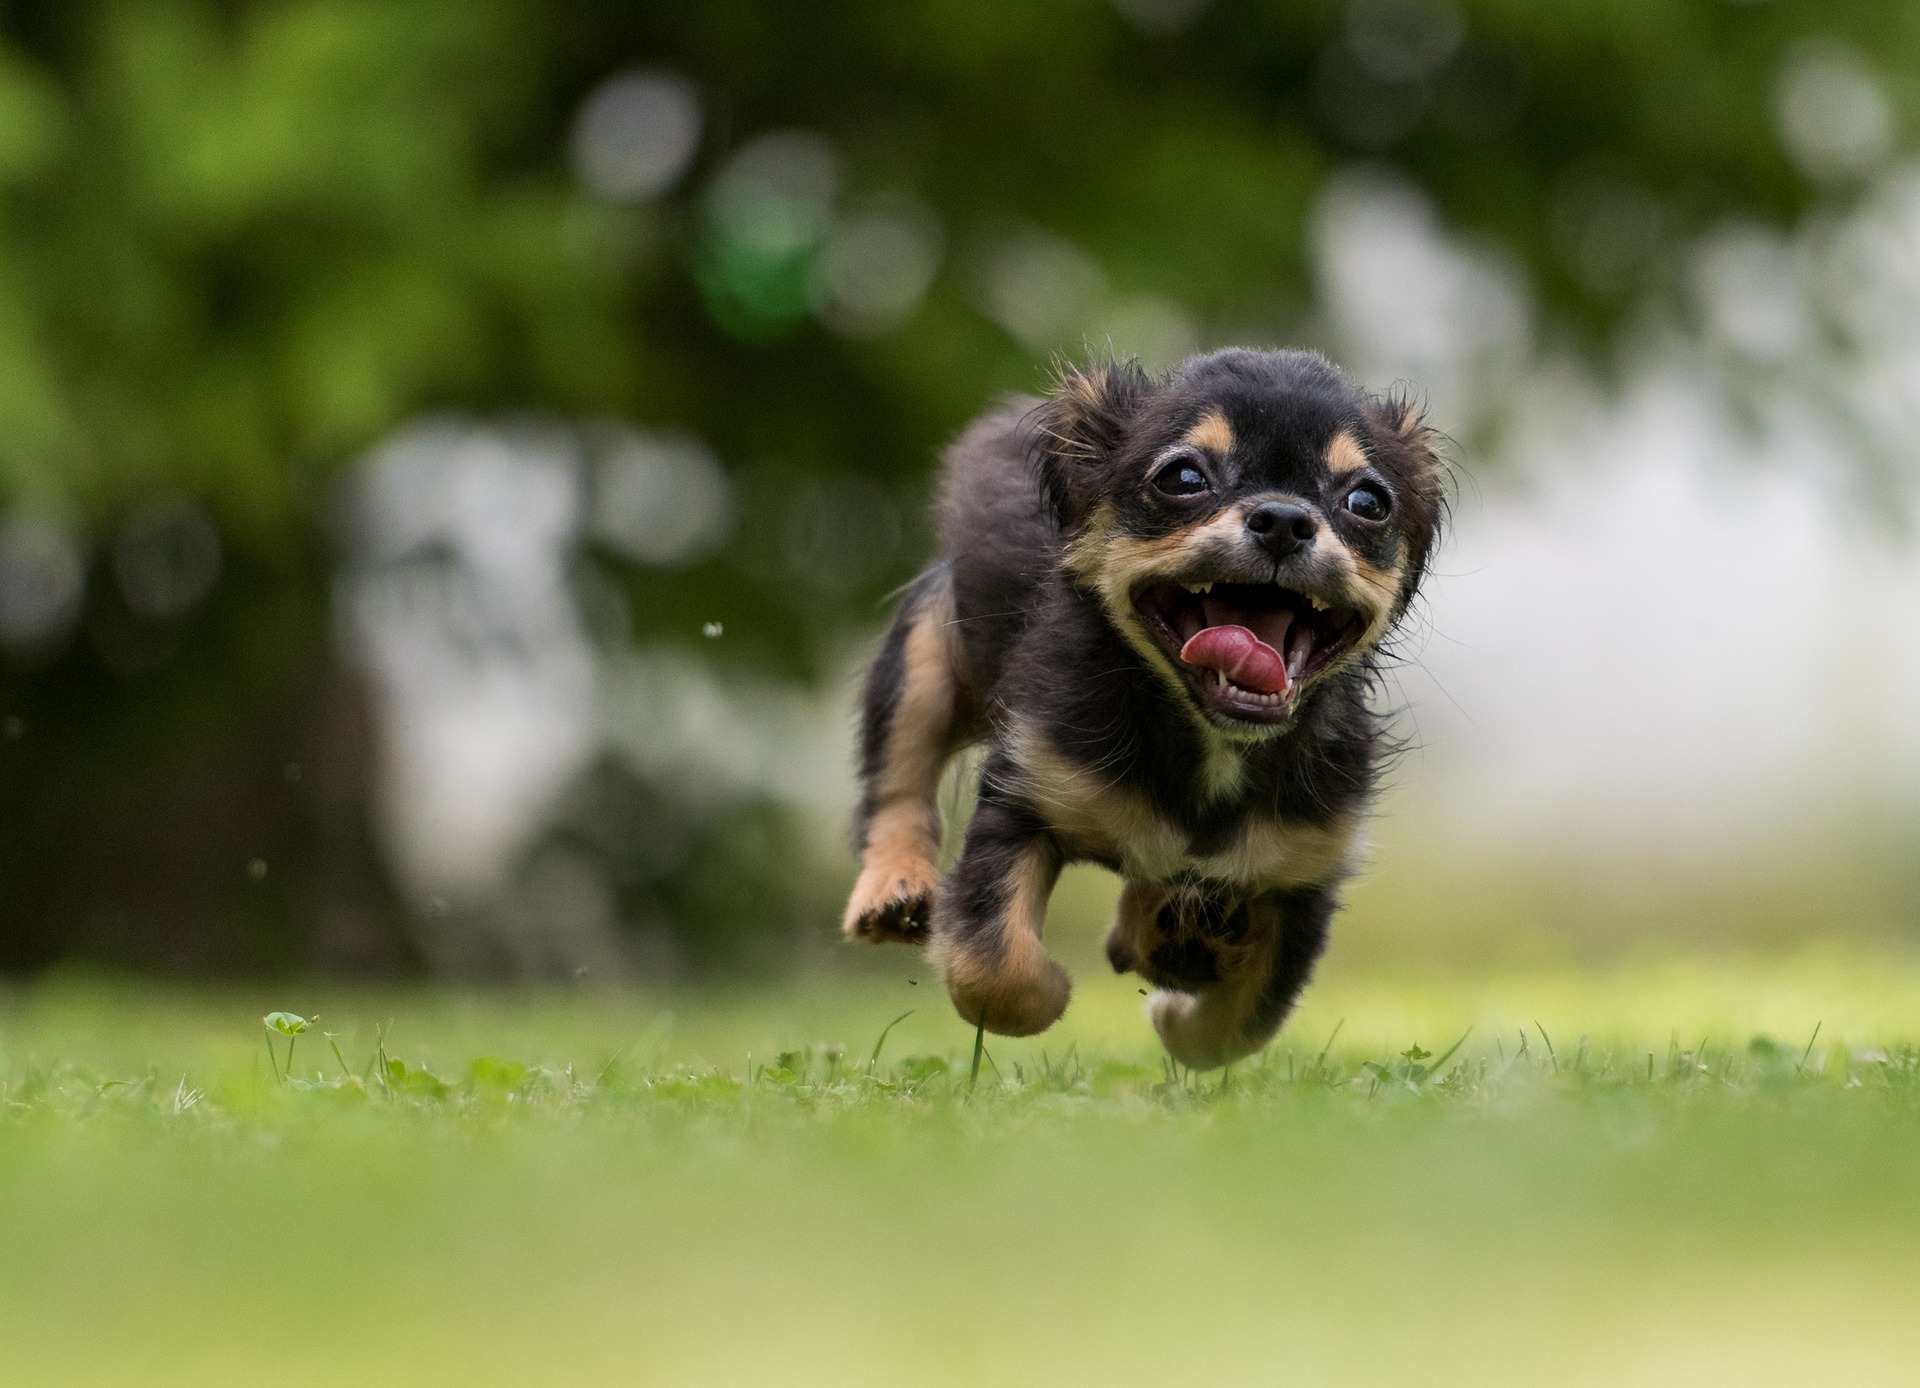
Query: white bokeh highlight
[[43, 578], [1832, 115], [1404, 298], [636, 134], [660, 499], [876, 266], [458, 607]]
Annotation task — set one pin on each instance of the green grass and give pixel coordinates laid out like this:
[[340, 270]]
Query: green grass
[[1690, 1187]]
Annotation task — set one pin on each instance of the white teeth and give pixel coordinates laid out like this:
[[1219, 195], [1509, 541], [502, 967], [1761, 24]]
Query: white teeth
[[1318, 606], [1247, 696], [1299, 647], [1198, 587]]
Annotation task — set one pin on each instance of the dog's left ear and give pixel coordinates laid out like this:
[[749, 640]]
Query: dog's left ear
[[1080, 427], [1408, 448]]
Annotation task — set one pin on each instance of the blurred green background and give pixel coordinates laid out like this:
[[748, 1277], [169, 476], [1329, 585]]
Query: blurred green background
[[455, 454]]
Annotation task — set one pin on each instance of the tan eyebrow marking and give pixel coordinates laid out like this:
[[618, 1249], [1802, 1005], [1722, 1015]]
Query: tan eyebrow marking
[[1345, 455], [1212, 432]]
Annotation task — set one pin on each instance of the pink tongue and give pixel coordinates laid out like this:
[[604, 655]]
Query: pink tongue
[[1239, 655]]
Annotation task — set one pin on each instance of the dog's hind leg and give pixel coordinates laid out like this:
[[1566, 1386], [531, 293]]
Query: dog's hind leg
[[1237, 1014], [909, 728], [986, 935], [1137, 927]]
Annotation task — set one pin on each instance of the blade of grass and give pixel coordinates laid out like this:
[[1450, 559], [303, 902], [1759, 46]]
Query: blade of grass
[[612, 1061], [979, 1046], [1801, 1067], [344, 1071], [1321, 1059], [874, 1059], [380, 1052], [1447, 1054], [1549, 1040]]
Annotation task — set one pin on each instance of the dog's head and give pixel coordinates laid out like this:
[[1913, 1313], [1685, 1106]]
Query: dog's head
[[1252, 523]]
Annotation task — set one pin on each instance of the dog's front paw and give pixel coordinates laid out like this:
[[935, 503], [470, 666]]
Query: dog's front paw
[[1019, 993], [1198, 1031], [891, 902]]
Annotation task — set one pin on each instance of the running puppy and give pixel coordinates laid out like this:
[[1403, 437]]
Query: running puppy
[[1159, 603]]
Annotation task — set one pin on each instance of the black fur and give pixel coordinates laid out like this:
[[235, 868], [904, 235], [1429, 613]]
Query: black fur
[[1004, 827], [1304, 920]]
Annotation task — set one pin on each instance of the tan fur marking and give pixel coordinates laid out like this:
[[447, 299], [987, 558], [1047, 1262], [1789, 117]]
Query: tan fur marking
[[1271, 853], [1085, 555], [1223, 769], [917, 741], [1407, 422], [900, 865], [1110, 821], [1376, 589], [1081, 389], [1206, 1030], [1018, 991], [1345, 455], [1382, 585], [1095, 816], [899, 862], [1373, 591], [1212, 433], [1116, 565], [1128, 560]]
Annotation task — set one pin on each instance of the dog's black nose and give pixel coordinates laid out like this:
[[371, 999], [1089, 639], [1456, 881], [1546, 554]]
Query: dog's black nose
[[1281, 528]]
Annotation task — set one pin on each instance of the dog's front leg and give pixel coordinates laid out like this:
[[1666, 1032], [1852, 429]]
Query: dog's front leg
[[1217, 1023], [986, 927]]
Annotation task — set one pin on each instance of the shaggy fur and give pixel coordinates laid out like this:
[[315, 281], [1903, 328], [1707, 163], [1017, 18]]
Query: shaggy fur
[[1085, 543]]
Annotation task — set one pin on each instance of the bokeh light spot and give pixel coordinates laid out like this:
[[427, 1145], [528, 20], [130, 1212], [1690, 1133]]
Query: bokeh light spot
[[42, 582], [636, 134], [1041, 288], [766, 214], [661, 499], [876, 267], [1833, 118]]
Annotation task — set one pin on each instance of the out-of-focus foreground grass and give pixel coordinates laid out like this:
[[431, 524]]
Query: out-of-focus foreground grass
[[1690, 1187]]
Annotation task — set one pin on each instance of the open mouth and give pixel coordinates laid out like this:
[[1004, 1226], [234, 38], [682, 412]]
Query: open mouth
[[1247, 648]]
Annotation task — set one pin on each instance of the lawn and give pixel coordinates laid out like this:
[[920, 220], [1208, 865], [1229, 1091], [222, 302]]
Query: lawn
[[1651, 1173]]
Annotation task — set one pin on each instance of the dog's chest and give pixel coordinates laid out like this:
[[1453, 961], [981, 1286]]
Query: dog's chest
[[1097, 819]]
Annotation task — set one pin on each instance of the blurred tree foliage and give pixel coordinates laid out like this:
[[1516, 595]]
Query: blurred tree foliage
[[242, 240]]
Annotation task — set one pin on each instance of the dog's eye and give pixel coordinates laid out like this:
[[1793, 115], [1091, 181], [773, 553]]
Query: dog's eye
[[1180, 478], [1368, 503]]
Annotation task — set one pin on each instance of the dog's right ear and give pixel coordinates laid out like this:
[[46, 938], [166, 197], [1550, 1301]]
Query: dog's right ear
[[1079, 428]]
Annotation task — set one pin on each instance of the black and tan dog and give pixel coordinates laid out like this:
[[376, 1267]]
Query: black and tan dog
[[1160, 603]]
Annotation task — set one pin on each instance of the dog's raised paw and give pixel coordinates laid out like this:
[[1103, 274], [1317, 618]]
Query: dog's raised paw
[[890, 906], [1018, 995], [1198, 1031]]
